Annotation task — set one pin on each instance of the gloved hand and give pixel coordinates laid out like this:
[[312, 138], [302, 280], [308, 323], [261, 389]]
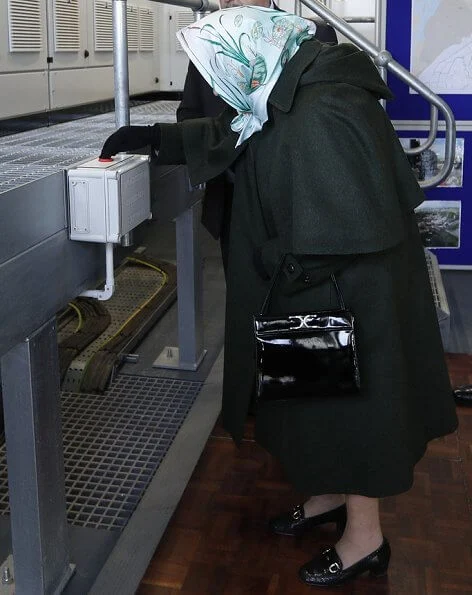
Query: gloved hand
[[129, 138]]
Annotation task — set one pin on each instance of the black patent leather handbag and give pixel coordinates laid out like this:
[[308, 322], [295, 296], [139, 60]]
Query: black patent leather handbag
[[305, 355]]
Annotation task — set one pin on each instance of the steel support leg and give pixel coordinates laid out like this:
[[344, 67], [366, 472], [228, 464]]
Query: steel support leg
[[31, 394], [190, 352]]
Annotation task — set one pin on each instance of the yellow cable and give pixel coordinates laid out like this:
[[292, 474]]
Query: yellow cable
[[79, 314], [148, 264]]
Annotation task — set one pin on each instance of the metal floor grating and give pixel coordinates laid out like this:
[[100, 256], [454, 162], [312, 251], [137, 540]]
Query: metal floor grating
[[28, 156], [157, 107], [33, 156], [113, 445], [15, 175]]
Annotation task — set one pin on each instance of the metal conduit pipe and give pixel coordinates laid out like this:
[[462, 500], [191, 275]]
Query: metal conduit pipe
[[384, 59], [107, 292], [120, 62]]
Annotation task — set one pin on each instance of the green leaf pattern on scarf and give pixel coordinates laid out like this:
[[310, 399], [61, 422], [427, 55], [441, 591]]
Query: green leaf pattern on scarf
[[259, 73], [233, 49], [245, 48], [257, 30]]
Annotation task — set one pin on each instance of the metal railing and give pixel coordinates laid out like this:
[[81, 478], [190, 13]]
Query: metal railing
[[120, 50], [384, 59], [381, 57], [359, 19]]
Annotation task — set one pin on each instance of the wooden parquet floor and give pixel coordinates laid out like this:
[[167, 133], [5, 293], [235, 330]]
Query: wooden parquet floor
[[217, 542]]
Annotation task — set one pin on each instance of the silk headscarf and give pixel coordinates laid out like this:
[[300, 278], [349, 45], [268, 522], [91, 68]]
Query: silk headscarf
[[241, 52]]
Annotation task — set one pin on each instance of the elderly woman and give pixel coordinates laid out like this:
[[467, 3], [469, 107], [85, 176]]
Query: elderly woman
[[322, 182]]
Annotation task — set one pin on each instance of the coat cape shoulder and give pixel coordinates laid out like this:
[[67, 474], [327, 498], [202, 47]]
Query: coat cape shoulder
[[327, 137]]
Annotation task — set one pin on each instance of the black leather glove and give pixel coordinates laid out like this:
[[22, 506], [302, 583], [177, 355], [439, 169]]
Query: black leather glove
[[129, 138]]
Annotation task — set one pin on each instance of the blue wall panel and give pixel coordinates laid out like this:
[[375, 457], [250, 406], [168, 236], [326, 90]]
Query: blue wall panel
[[408, 106], [461, 256], [411, 107]]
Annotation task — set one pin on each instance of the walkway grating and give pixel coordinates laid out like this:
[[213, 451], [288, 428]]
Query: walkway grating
[[113, 445]]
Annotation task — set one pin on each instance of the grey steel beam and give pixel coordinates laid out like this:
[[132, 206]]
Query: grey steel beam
[[186, 211], [189, 289], [30, 214], [30, 379], [37, 283]]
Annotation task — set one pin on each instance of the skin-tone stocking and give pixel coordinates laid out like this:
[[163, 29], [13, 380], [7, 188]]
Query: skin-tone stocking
[[319, 504], [363, 533]]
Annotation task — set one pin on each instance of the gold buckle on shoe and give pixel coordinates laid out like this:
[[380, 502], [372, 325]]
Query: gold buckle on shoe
[[297, 513]]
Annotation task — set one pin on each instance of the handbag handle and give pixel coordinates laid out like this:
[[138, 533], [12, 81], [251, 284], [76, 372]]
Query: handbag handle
[[275, 276]]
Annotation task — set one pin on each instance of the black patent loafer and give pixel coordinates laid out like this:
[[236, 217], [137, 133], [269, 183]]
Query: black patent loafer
[[326, 570], [463, 395], [295, 523]]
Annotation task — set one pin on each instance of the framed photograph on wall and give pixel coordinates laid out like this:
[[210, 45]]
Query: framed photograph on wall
[[439, 222], [428, 163]]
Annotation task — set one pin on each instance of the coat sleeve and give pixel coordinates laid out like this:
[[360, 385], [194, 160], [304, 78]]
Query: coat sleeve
[[206, 145]]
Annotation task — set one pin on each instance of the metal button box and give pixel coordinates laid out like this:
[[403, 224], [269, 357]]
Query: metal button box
[[108, 199]]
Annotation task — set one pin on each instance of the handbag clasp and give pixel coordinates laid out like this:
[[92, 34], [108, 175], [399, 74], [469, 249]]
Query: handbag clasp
[[304, 320]]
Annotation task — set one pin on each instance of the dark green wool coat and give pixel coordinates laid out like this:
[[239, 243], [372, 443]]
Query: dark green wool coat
[[327, 183]]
